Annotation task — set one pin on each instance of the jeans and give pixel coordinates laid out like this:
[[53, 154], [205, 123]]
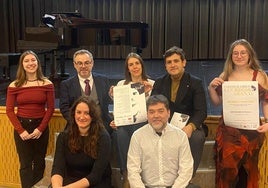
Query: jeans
[[31, 153]]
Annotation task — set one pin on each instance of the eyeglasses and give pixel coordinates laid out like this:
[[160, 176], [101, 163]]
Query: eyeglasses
[[86, 63], [242, 53]]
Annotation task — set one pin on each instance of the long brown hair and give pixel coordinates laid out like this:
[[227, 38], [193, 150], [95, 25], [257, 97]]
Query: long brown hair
[[254, 63], [21, 77], [127, 73], [90, 144]]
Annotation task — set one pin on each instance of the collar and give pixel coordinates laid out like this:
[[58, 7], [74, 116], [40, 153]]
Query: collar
[[83, 79], [163, 131]]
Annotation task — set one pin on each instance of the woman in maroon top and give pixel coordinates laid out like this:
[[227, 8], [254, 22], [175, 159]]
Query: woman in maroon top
[[33, 95]]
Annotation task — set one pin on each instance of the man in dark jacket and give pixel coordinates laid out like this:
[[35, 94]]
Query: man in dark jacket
[[74, 87], [186, 95]]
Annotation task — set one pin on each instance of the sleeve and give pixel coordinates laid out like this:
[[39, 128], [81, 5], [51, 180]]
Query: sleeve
[[134, 164], [50, 95], [10, 107], [185, 163], [158, 87], [103, 87], [103, 159], [150, 93], [64, 100], [199, 112], [59, 164]]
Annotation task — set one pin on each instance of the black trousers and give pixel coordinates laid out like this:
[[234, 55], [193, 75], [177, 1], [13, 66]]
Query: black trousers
[[196, 142], [31, 153]]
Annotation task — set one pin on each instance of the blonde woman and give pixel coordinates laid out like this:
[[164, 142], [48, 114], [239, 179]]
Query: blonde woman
[[237, 150]]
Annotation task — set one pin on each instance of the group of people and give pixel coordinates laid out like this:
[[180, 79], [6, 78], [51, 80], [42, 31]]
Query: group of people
[[153, 153]]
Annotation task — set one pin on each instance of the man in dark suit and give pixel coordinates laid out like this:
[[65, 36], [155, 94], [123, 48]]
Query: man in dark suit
[[186, 95], [74, 87]]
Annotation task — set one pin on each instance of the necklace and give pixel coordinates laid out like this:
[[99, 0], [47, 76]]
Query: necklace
[[32, 80]]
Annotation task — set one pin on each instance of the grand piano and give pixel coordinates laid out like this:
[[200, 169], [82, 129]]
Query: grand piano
[[59, 32]]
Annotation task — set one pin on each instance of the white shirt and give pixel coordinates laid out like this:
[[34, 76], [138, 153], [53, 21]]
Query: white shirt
[[159, 161]]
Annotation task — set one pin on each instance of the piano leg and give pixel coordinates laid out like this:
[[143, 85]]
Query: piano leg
[[62, 74], [57, 61], [4, 63], [6, 60], [53, 60]]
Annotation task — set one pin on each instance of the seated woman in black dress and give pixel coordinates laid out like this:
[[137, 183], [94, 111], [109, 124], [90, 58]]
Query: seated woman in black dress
[[83, 150]]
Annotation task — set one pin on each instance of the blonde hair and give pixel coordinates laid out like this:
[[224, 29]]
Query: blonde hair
[[254, 63]]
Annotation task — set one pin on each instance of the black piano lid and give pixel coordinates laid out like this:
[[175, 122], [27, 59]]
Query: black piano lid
[[76, 20], [68, 14]]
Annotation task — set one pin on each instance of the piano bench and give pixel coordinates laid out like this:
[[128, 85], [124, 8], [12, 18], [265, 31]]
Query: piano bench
[[6, 60]]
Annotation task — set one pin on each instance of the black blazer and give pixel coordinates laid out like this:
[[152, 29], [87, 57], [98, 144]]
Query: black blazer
[[70, 90], [190, 99]]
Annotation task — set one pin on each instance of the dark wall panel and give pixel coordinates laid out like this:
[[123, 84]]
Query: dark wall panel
[[203, 28]]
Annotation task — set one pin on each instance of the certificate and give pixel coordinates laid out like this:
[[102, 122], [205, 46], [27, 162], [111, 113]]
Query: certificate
[[129, 104], [241, 104], [179, 119]]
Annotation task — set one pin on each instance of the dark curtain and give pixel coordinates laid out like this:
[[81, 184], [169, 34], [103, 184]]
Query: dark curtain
[[203, 28]]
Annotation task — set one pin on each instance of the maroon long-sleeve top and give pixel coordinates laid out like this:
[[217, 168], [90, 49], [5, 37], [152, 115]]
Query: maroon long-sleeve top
[[31, 102]]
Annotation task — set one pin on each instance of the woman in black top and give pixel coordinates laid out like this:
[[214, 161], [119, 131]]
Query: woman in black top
[[83, 150]]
